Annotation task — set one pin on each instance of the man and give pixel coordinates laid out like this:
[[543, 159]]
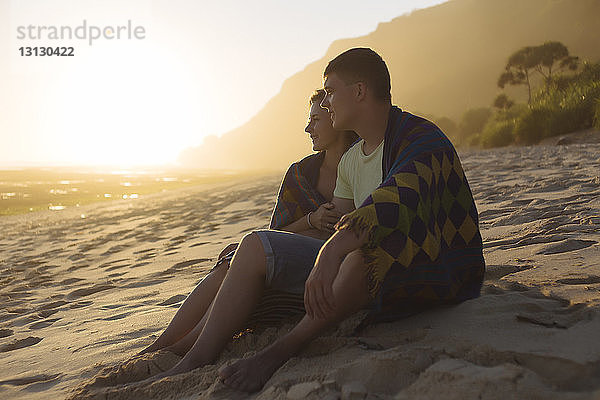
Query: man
[[413, 240], [409, 238]]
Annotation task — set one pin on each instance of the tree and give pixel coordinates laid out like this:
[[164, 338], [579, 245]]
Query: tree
[[545, 59], [502, 102], [550, 53], [517, 71]]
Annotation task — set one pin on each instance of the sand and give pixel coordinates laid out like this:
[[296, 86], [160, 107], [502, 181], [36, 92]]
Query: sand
[[81, 296]]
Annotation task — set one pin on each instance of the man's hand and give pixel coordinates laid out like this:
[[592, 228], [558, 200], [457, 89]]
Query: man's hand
[[325, 217], [319, 300]]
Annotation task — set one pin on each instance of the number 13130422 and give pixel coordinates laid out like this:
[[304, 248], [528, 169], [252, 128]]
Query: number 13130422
[[47, 51]]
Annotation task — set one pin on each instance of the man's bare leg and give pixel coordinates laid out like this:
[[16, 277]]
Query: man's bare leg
[[351, 294], [192, 311], [236, 299]]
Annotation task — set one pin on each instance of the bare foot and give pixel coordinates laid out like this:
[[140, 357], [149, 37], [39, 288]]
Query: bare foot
[[181, 367], [177, 349], [150, 349], [251, 374]]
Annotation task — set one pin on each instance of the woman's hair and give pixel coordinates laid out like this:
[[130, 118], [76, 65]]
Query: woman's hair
[[316, 98]]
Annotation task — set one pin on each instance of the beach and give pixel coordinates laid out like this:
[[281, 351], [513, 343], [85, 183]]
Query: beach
[[84, 289]]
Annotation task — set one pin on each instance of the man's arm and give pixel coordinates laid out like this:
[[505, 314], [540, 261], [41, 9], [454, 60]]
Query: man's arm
[[318, 295], [344, 206]]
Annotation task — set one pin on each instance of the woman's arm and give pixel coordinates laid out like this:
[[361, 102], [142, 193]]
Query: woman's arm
[[318, 224], [323, 220], [300, 225]]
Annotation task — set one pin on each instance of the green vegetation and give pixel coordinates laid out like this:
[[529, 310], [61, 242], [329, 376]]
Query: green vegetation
[[562, 104], [597, 115]]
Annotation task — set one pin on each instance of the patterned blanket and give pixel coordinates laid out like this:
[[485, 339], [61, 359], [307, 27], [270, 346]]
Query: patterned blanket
[[298, 194], [424, 246]]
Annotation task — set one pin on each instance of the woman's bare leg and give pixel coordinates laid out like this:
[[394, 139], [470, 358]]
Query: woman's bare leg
[[351, 293], [192, 310], [235, 301], [183, 345]]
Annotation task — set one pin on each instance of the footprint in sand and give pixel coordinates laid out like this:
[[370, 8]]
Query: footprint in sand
[[584, 280], [20, 343], [80, 304], [54, 304], [138, 284], [26, 380], [88, 291], [144, 251], [43, 324], [76, 267], [173, 300], [188, 263], [6, 332], [140, 264], [493, 272], [109, 263], [117, 267], [77, 256], [117, 316], [566, 246]]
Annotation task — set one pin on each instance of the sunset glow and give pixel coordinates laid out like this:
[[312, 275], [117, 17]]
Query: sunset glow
[[131, 102]]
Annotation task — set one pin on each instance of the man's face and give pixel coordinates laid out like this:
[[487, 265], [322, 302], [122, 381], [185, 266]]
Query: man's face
[[339, 101]]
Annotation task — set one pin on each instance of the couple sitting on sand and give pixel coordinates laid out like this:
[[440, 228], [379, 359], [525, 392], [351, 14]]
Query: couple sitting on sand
[[387, 224]]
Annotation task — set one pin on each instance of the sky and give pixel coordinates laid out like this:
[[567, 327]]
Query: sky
[[179, 70]]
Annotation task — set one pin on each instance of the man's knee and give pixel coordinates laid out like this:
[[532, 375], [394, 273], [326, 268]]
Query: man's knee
[[354, 269], [355, 262], [352, 283]]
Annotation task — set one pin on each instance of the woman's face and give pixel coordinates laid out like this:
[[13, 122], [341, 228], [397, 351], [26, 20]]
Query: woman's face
[[320, 128]]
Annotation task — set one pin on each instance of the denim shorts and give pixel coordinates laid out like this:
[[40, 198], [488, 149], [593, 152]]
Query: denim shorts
[[290, 258]]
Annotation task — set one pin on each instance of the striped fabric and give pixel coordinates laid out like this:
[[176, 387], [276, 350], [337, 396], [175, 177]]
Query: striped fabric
[[276, 307], [424, 246], [298, 194]]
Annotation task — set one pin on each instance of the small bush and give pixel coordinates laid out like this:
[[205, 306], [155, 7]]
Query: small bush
[[473, 140], [577, 108], [597, 115], [533, 126], [473, 121], [497, 133]]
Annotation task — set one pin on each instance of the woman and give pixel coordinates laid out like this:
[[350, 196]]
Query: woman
[[303, 206]]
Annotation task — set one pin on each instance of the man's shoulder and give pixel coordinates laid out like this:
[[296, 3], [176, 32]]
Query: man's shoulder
[[352, 152], [413, 127]]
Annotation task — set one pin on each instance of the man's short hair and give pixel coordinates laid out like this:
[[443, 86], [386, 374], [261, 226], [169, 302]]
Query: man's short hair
[[362, 64]]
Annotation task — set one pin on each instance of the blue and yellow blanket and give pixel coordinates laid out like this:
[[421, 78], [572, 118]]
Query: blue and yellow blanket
[[424, 246], [298, 194]]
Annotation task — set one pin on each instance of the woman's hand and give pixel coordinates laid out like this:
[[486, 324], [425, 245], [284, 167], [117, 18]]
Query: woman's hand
[[228, 249], [325, 217]]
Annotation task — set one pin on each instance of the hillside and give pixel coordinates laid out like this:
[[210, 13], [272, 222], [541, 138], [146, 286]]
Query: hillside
[[443, 61]]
